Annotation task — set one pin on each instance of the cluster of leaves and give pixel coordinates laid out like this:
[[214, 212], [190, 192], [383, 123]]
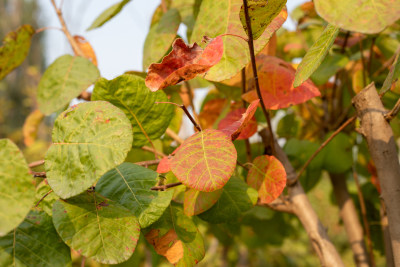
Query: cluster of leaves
[[98, 203]]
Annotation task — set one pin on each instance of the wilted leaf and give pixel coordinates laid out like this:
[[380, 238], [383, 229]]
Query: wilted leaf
[[261, 13], [366, 16], [205, 161], [31, 126], [34, 243], [129, 185], [16, 188], [196, 202], [96, 227], [108, 14], [315, 55], [268, 176], [184, 63], [240, 123], [88, 140], [15, 49], [220, 17], [160, 37], [129, 93], [86, 48], [276, 82], [64, 80]]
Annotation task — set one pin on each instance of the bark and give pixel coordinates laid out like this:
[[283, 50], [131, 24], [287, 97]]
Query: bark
[[386, 238], [382, 147], [349, 216]]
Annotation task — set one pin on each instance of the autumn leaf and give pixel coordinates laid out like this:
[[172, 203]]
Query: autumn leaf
[[86, 49], [196, 202], [276, 83], [184, 63], [167, 245], [31, 127], [240, 123], [211, 111]]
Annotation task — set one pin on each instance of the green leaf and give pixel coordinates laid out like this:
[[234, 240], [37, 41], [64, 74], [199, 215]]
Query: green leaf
[[196, 202], [394, 74], [237, 197], [315, 55], [17, 192], [328, 68], [97, 227], [130, 94], [261, 13], [64, 80], [338, 158], [129, 185], [160, 37], [205, 161], [88, 140], [176, 237], [34, 243], [15, 49], [108, 14], [219, 17], [366, 16]]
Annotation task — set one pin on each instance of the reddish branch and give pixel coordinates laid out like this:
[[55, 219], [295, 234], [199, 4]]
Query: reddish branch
[[43, 197], [36, 163], [148, 162], [164, 187]]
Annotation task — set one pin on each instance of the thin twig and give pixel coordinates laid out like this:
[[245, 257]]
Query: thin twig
[[36, 163], [47, 28], [363, 64], [395, 110], [85, 96], [191, 97], [235, 35], [174, 136], [254, 67], [43, 197], [38, 174], [246, 141], [164, 187], [186, 112], [152, 150], [148, 162], [243, 165], [279, 205]]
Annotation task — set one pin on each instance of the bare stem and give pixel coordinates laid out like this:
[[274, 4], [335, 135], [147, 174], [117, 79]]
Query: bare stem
[[235, 35], [36, 163], [47, 28], [190, 93], [363, 64], [152, 150], [164, 187], [43, 197], [38, 174], [148, 162], [395, 110], [174, 136], [186, 112]]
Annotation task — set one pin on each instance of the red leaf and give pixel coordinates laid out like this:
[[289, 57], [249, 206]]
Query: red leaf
[[240, 123], [163, 166], [196, 202], [205, 161], [268, 176], [167, 245], [183, 63], [276, 83]]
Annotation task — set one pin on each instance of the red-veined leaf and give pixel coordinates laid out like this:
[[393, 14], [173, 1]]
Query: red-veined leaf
[[163, 165], [205, 161], [196, 202], [268, 176], [184, 63]]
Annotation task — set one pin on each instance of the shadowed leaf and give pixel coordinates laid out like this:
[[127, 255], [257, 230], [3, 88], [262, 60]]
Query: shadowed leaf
[[196, 202], [108, 14]]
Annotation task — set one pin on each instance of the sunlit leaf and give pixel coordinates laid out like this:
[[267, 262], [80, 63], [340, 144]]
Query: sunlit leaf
[[15, 49], [88, 140], [184, 63], [129, 185], [96, 227], [31, 126], [196, 202], [205, 161], [268, 176], [17, 192], [86, 49], [64, 80], [108, 14]]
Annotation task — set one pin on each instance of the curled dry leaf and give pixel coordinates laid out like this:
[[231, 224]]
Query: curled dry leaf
[[184, 63], [86, 48]]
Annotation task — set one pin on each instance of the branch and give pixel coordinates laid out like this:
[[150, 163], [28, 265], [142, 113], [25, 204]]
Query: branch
[[393, 113], [279, 205], [174, 136], [38, 174], [152, 150], [186, 112], [148, 162], [36, 163], [43, 197], [164, 187]]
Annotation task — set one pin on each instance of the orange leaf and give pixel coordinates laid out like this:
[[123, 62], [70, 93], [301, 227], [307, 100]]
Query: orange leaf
[[86, 48], [167, 245], [163, 166], [196, 202], [268, 176], [211, 111], [276, 83], [240, 123], [183, 63], [31, 126]]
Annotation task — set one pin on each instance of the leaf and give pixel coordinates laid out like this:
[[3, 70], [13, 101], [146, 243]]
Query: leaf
[[88, 140], [108, 14], [235, 199], [176, 237], [130, 94], [34, 243], [183, 63], [64, 80], [160, 37], [17, 192], [329, 66], [86, 49], [205, 161], [338, 157], [46, 199], [196, 202], [240, 123], [163, 166], [15, 49], [211, 111], [268, 176], [220, 17], [96, 227], [315, 55], [365, 16], [261, 13], [129, 185], [31, 127], [394, 74], [276, 81]]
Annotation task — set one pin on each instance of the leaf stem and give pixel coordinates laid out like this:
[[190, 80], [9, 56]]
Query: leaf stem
[[43, 197], [174, 136], [164, 187], [36, 163], [235, 35], [395, 110], [152, 150], [38, 174], [47, 28], [148, 162], [186, 112]]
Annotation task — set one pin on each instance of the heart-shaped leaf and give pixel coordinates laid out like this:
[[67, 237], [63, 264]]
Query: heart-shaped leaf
[[64, 80], [130, 94], [108, 14], [17, 192], [268, 176], [205, 161], [34, 243], [15, 49], [88, 140], [196, 202], [129, 185], [96, 227], [184, 63]]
